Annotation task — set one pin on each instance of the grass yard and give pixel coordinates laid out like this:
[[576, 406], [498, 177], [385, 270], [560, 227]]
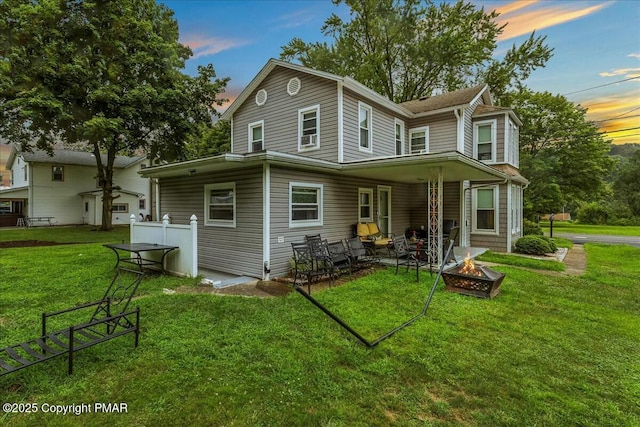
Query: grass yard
[[570, 227], [71, 234], [549, 350]]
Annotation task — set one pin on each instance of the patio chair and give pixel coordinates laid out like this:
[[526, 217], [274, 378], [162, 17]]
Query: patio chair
[[110, 320], [453, 234], [361, 256], [304, 268], [340, 260], [405, 255], [370, 233]]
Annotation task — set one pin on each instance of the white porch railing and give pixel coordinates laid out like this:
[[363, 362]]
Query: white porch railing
[[183, 261]]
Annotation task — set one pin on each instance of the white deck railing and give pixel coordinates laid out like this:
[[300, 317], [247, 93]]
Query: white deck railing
[[182, 261]]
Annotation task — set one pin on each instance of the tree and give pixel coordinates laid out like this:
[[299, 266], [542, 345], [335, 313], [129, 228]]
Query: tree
[[209, 140], [627, 183], [561, 153], [404, 50], [103, 74]]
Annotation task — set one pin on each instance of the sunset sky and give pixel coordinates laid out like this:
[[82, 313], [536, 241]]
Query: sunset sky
[[596, 60]]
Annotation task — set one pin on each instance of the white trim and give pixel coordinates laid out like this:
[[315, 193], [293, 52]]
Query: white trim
[[295, 92], [250, 127], [424, 129], [369, 109], [496, 210], [460, 137], [264, 101], [307, 223], [266, 219], [316, 145], [231, 148], [340, 122], [368, 191], [509, 228], [494, 139], [397, 122], [386, 188], [218, 222]]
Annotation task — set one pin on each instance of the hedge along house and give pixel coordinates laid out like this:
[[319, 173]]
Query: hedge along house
[[313, 152]]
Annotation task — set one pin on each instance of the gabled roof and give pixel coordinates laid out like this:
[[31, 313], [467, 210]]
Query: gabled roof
[[448, 101], [347, 82], [70, 157], [492, 110]]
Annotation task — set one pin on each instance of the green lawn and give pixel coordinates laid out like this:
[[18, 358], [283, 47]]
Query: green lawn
[[71, 234], [569, 227], [551, 351]]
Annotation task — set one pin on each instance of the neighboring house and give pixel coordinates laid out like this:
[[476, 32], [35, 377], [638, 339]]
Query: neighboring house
[[64, 186], [313, 152]]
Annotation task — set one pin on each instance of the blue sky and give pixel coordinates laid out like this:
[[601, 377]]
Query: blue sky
[[597, 43]]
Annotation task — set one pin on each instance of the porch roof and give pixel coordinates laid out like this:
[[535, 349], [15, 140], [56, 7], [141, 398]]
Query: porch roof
[[15, 193], [410, 168]]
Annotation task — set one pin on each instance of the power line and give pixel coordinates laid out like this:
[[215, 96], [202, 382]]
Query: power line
[[596, 87], [621, 130], [615, 118]]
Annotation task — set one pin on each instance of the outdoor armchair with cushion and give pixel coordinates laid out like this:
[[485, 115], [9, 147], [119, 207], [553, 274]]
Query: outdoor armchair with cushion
[[370, 233]]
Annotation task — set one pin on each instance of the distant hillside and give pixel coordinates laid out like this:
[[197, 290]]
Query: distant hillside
[[624, 150]]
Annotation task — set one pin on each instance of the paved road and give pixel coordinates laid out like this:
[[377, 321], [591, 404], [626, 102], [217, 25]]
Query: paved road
[[599, 238]]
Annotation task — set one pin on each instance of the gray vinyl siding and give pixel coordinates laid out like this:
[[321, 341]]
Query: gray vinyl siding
[[496, 243], [468, 127], [383, 132], [442, 131], [280, 115], [340, 210], [232, 250]]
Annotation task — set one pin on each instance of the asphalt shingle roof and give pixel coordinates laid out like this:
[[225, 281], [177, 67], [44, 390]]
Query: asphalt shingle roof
[[446, 100], [81, 158]]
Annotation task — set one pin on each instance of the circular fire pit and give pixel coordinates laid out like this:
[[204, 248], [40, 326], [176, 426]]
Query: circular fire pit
[[469, 279]]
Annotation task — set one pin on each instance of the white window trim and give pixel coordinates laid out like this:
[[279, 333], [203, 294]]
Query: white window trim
[[362, 105], [250, 127], [306, 223], [301, 111], [368, 191], [496, 207], [219, 222], [402, 131], [494, 139], [511, 145], [426, 139]]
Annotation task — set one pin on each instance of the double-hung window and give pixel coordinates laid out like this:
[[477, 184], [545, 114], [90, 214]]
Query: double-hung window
[[309, 128], [365, 205], [220, 204], [305, 204], [256, 136], [419, 139], [399, 132], [485, 210], [57, 173], [365, 125], [484, 137]]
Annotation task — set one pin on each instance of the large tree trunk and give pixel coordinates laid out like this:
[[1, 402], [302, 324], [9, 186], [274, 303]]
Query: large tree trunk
[[105, 177]]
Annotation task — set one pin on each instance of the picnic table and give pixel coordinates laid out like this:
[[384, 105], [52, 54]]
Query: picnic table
[[32, 219], [135, 253]]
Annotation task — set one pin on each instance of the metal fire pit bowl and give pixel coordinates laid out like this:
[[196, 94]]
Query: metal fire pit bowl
[[485, 286]]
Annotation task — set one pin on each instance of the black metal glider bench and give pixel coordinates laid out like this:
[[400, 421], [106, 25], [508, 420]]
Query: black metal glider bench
[[103, 326]]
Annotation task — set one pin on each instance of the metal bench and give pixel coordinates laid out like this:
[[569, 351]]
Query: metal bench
[[102, 326]]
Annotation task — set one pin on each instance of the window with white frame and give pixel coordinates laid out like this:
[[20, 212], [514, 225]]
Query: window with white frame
[[57, 173], [309, 128], [365, 205], [220, 204], [256, 136], [419, 140], [485, 210], [516, 208], [484, 140], [512, 143], [399, 132], [305, 204], [120, 207], [364, 120]]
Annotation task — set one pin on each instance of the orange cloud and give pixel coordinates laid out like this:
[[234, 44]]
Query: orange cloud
[[614, 114], [544, 17], [204, 46]]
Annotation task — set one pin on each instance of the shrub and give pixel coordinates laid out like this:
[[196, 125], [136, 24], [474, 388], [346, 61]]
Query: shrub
[[552, 244], [595, 213], [531, 228], [533, 245]]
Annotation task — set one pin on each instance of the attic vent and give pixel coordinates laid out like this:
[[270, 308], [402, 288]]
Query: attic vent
[[261, 97], [293, 87]]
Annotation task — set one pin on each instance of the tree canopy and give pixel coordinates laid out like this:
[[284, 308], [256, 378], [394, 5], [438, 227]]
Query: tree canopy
[[408, 49], [106, 75]]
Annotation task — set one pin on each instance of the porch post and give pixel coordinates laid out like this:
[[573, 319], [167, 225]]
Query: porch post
[[434, 209]]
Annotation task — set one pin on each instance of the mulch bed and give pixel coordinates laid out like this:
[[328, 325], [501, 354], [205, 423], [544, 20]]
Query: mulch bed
[[29, 243]]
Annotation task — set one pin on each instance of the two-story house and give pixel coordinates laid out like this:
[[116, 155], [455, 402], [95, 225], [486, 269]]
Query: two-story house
[[313, 152], [64, 187]]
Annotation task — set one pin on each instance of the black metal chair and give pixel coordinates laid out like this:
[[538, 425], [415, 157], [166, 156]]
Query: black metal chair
[[406, 255], [110, 319], [340, 260], [453, 235], [361, 256]]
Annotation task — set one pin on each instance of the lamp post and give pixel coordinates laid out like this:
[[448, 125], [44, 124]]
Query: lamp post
[[551, 218]]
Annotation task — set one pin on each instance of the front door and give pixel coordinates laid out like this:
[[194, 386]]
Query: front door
[[384, 209]]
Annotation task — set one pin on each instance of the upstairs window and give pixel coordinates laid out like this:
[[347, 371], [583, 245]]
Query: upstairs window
[[399, 131], [220, 204], [309, 128], [364, 120], [256, 136], [484, 138], [512, 144], [419, 140], [57, 173]]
